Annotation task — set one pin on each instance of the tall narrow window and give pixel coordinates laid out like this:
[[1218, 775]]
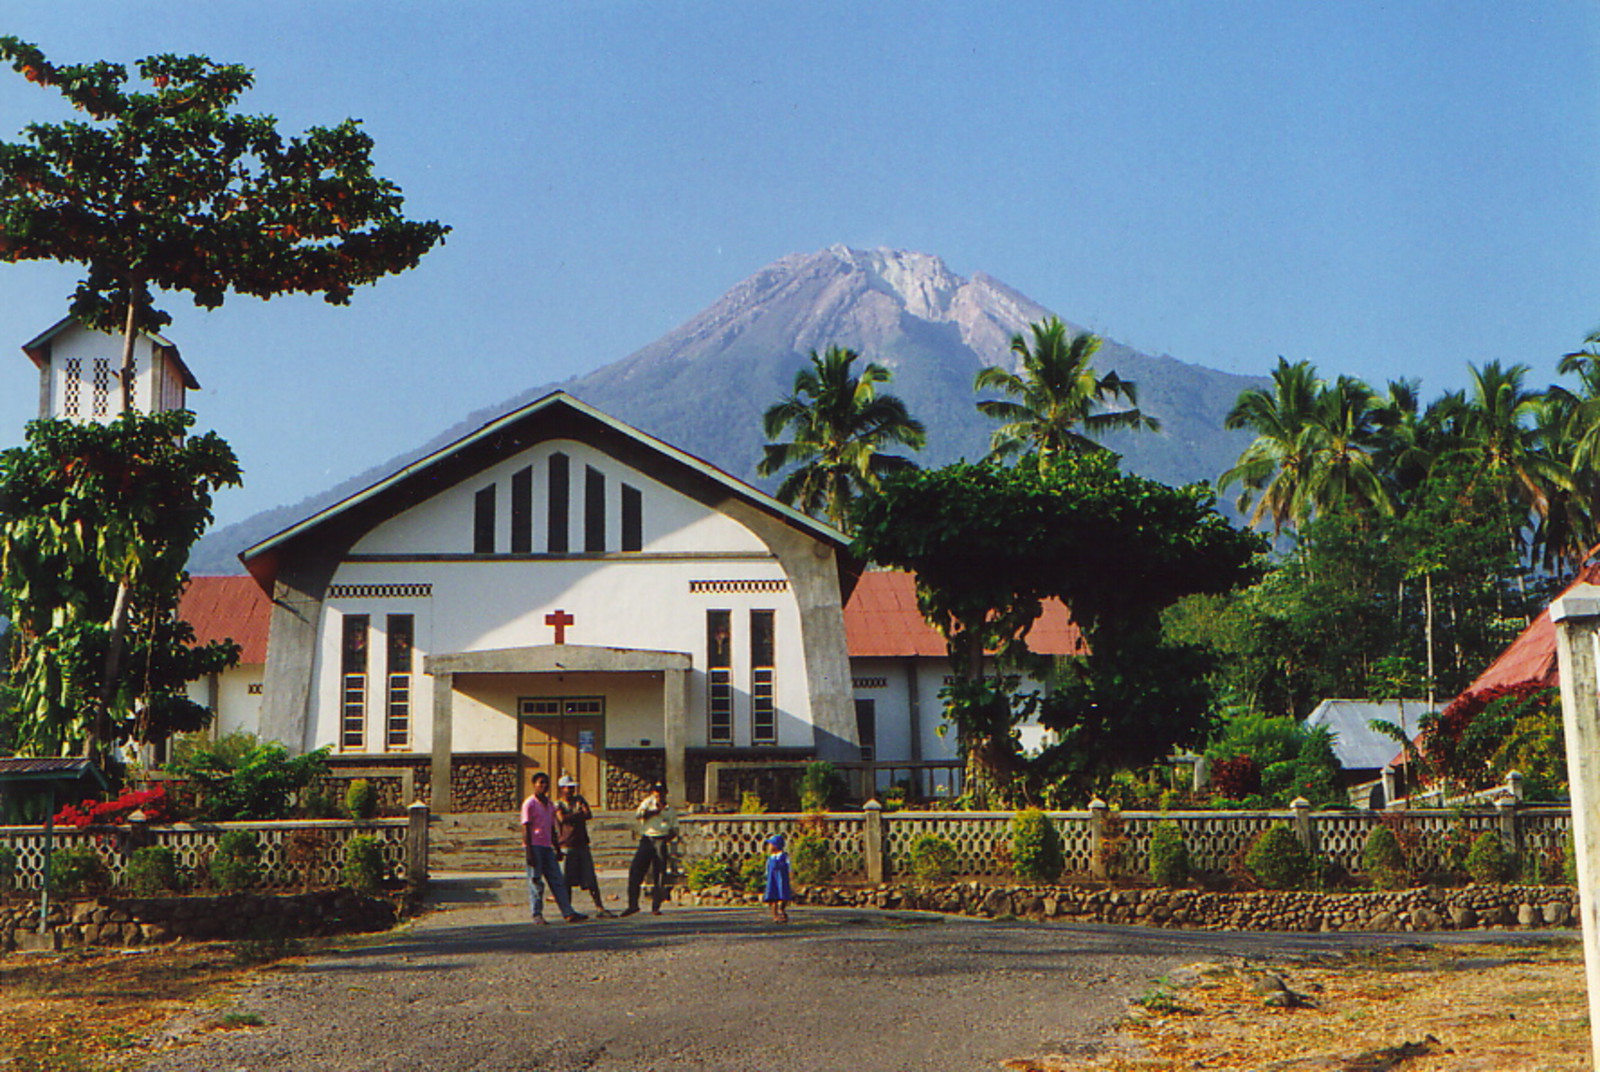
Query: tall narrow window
[[522, 511], [483, 522], [353, 683], [397, 721], [867, 728], [71, 385], [632, 519], [719, 672], [763, 711], [560, 496], [594, 509], [102, 387]]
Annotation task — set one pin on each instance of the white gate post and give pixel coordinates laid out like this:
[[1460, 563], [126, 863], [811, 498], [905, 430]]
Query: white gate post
[[1577, 619]]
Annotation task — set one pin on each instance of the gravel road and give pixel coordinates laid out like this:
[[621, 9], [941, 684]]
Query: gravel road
[[714, 989]]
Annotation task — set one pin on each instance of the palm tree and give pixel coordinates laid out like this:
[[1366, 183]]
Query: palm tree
[[1499, 429], [1054, 393], [839, 424], [1272, 471]]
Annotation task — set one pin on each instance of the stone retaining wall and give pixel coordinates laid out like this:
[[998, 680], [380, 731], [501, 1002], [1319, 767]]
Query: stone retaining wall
[[485, 782], [1422, 909], [132, 921]]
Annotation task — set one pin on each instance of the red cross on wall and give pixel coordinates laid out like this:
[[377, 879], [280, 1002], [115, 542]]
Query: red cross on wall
[[560, 620]]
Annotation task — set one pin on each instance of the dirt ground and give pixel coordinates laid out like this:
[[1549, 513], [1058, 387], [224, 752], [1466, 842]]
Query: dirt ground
[[1414, 1008], [95, 1011]]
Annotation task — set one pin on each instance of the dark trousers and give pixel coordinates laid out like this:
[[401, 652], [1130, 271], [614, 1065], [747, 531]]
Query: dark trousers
[[580, 873], [651, 857]]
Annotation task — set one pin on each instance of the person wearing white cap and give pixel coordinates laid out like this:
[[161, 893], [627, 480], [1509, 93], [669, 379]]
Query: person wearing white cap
[[572, 834]]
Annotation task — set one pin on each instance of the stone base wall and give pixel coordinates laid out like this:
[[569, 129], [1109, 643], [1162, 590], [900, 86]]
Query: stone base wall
[[779, 788], [485, 782], [630, 772], [1423, 909], [133, 921]]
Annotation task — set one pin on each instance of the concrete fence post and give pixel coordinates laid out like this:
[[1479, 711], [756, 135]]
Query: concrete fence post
[[1577, 619], [417, 843], [1514, 785], [1505, 818], [1201, 773], [872, 839], [1391, 786], [1304, 829], [1097, 837]]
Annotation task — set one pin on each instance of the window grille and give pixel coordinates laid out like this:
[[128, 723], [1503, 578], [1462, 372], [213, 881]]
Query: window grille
[[869, 682], [71, 386], [353, 690], [102, 386], [719, 672], [697, 587], [763, 708], [397, 730]]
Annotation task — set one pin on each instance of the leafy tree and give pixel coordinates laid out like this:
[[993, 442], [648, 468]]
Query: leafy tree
[[1054, 393], [237, 778], [988, 544], [839, 425], [86, 510], [169, 188]]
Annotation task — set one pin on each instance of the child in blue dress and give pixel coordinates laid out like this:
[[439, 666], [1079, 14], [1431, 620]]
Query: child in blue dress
[[778, 893]]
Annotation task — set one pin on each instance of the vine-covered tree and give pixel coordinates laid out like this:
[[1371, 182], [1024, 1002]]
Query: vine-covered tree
[[838, 424], [86, 509], [988, 544], [168, 188]]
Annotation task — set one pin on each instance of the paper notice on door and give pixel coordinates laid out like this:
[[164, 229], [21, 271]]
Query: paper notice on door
[[586, 742]]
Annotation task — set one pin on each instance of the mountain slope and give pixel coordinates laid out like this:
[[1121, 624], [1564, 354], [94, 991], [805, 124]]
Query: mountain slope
[[704, 386]]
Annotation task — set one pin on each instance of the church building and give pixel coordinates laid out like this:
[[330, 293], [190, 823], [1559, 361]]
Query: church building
[[557, 591]]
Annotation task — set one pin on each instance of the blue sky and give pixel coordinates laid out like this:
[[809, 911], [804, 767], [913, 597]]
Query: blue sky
[[1385, 189]]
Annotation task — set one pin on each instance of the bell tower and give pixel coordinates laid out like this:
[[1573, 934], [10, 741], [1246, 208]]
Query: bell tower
[[79, 367]]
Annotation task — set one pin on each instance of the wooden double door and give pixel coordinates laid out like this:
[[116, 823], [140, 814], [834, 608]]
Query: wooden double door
[[564, 735]]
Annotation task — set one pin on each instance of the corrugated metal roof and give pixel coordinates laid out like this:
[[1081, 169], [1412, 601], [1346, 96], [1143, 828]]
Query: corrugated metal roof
[[1355, 742], [229, 608], [48, 769], [1532, 656], [881, 620]]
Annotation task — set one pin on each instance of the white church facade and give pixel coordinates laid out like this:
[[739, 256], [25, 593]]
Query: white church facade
[[557, 591]]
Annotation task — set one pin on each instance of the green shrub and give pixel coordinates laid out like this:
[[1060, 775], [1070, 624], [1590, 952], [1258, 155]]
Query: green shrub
[[237, 778], [818, 785], [76, 871], [933, 858], [812, 859], [750, 803], [1569, 861], [1487, 860], [1382, 860], [1035, 846], [8, 867], [707, 872], [363, 864], [753, 874], [361, 799], [236, 862], [151, 869], [1169, 856], [1278, 861]]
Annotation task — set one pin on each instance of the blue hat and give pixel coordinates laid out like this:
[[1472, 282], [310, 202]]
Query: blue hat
[[776, 839]]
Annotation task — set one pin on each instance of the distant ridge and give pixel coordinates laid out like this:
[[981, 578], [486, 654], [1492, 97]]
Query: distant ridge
[[704, 385]]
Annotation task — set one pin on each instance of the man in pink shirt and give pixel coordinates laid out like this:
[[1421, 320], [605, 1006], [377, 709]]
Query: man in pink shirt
[[539, 842]]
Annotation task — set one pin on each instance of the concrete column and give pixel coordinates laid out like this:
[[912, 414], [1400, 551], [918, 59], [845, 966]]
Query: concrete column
[[417, 844], [1097, 838], [1505, 815], [1577, 619], [444, 687], [675, 719], [1391, 786], [1514, 785], [914, 714], [1200, 775], [872, 839], [1303, 828]]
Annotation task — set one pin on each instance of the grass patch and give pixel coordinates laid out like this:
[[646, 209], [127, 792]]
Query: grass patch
[[232, 1021]]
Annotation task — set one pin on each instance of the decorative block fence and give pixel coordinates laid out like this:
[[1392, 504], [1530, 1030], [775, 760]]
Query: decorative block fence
[[295, 854], [874, 844]]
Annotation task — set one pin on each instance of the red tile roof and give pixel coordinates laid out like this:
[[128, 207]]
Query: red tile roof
[[224, 608], [1532, 656], [881, 620]]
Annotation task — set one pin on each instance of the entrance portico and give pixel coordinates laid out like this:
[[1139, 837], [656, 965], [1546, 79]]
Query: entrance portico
[[563, 659]]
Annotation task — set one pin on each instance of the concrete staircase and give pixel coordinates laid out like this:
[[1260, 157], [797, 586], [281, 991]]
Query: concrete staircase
[[492, 841]]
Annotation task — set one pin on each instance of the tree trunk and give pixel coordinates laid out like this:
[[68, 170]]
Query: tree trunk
[[1427, 595], [126, 375]]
